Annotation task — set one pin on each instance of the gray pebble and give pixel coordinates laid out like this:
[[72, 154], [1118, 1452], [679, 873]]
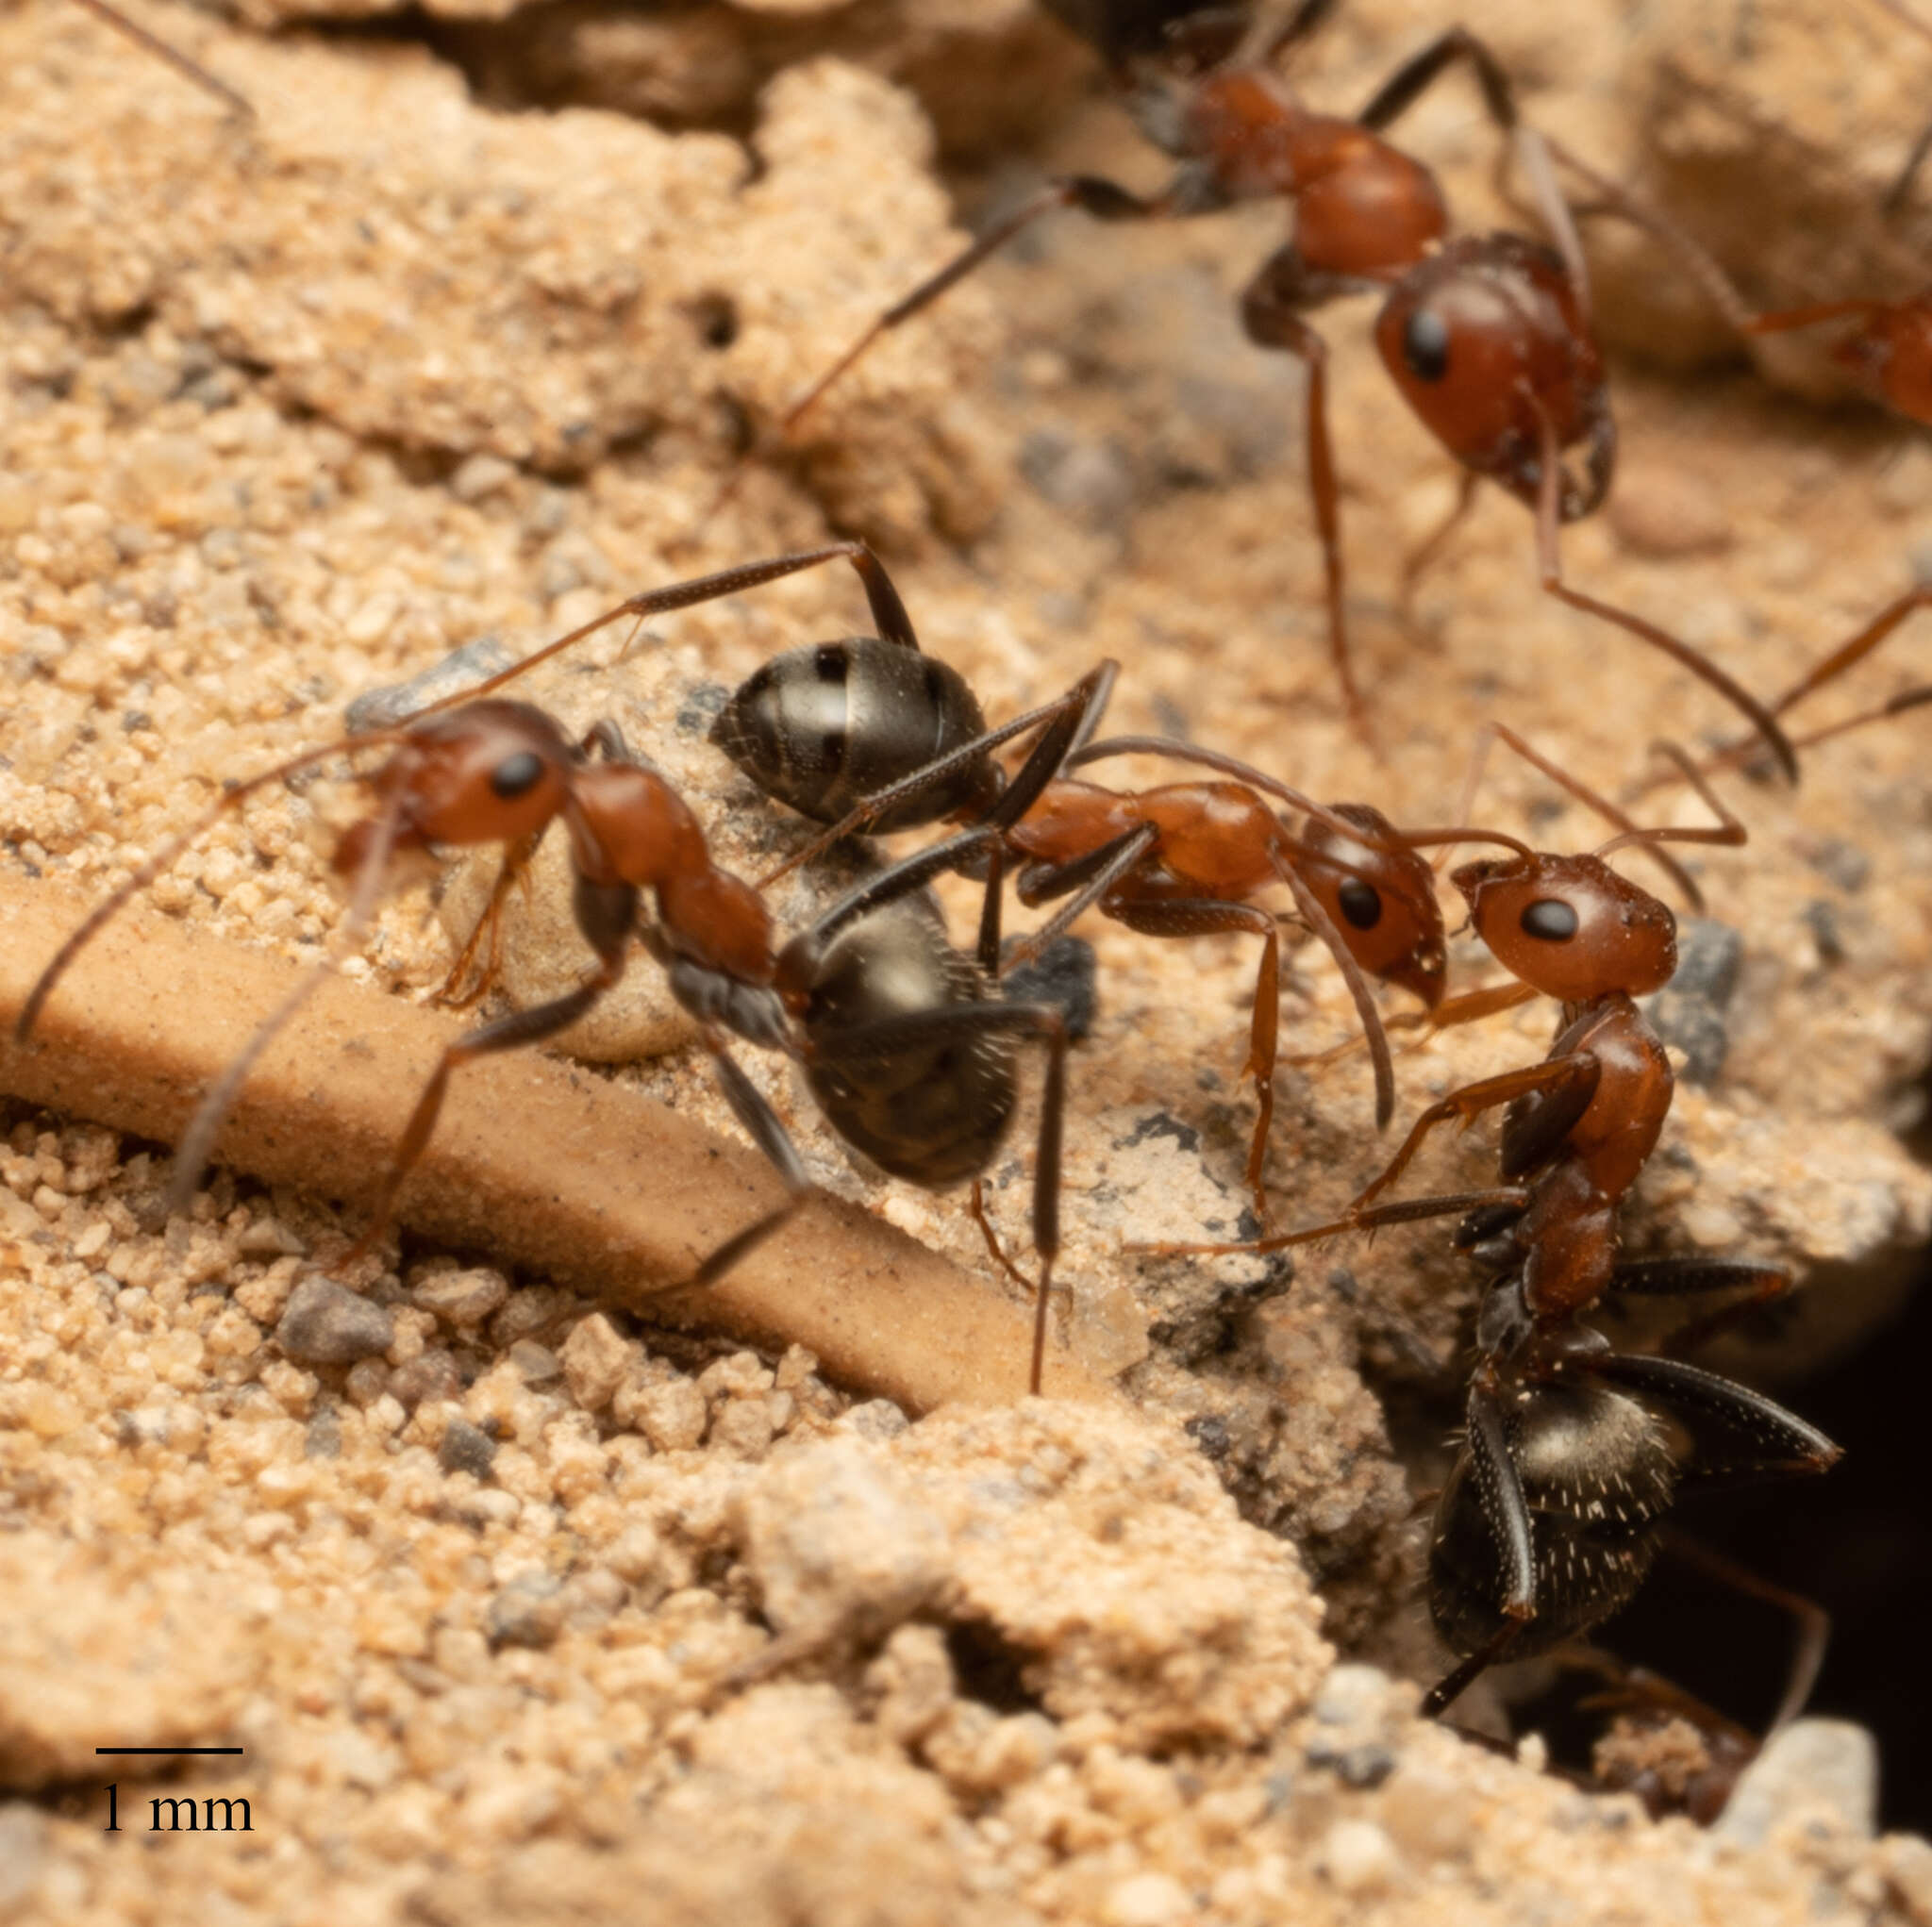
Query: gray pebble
[[877, 1419], [466, 1448], [526, 1612], [1062, 975], [326, 1324], [1817, 1769], [461, 670], [324, 1439], [1688, 1012]]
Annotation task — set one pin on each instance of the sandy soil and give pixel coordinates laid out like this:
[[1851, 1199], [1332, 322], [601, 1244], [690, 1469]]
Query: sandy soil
[[524, 1608]]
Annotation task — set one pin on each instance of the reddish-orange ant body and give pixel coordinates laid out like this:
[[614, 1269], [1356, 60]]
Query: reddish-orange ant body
[[1550, 1517], [1487, 337]]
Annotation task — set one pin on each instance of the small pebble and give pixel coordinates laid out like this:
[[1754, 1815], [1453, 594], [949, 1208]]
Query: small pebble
[[526, 1612], [462, 1298], [1146, 1900], [1359, 1857], [326, 1324], [594, 1360], [461, 670], [466, 1448], [1815, 1768]]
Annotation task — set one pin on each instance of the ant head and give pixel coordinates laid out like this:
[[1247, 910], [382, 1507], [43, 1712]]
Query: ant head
[[490, 771], [1486, 340], [1382, 902], [1570, 925], [1892, 356]]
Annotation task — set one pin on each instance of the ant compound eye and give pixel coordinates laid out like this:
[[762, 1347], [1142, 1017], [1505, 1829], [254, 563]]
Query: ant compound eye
[[1361, 902], [1550, 919], [517, 774], [1425, 345]]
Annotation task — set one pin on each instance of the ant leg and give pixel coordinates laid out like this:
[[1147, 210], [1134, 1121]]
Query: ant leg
[[1102, 199], [975, 1203], [150, 868], [1562, 1082], [1508, 1513], [1269, 313], [1856, 649], [891, 1035], [153, 44], [606, 915], [1409, 1211], [513, 870], [889, 612], [1422, 558], [1203, 915], [1550, 565], [1773, 1440], [1085, 881], [1065, 718], [1811, 1623], [506, 1034], [749, 1107], [197, 1142], [1417, 73]]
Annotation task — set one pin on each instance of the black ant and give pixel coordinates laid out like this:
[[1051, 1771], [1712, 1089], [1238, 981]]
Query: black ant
[[191, 70], [1572, 1453], [867, 733], [1488, 337]]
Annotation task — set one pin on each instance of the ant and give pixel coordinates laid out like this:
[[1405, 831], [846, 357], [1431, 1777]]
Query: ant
[[907, 1045], [190, 70], [501, 771], [867, 733], [1551, 1516], [1488, 337], [1184, 859]]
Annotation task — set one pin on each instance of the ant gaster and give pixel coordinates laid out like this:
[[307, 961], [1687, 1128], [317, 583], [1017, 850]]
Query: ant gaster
[[1487, 337], [1572, 1453]]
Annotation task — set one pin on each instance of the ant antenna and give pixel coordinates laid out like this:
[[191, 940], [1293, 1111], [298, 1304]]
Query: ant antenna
[[197, 1142], [1728, 829], [150, 868], [191, 70]]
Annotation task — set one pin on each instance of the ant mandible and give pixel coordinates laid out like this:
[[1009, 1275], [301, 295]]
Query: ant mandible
[[1488, 337], [1551, 1516]]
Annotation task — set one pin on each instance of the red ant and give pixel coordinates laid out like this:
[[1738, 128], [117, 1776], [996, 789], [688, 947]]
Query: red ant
[[191, 70], [907, 1045], [1184, 859], [872, 724], [1550, 1520], [500, 771], [1488, 337]]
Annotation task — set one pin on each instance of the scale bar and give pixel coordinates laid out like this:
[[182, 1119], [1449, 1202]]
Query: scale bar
[[167, 1750]]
